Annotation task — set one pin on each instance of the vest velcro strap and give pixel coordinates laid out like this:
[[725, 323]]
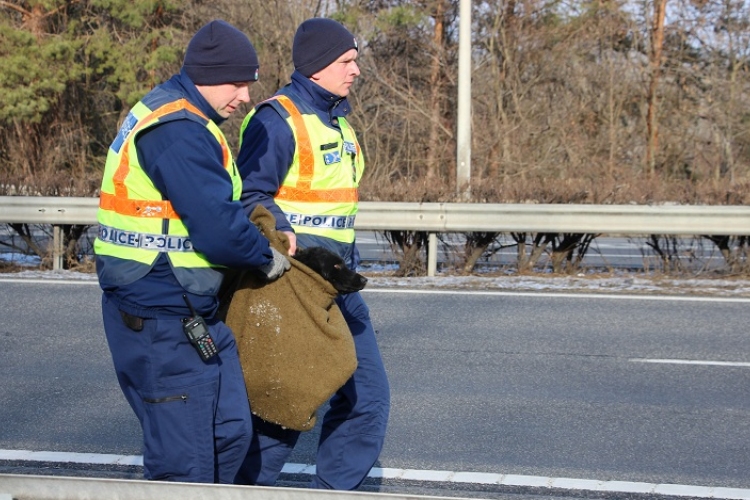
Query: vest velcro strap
[[322, 221], [145, 241], [160, 209], [341, 195]]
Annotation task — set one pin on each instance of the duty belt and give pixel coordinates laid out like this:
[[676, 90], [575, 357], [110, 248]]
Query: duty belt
[[145, 241], [322, 221]]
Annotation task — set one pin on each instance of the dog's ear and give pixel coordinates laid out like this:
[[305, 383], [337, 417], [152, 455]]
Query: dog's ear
[[329, 264], [327, 270], [335, 273]]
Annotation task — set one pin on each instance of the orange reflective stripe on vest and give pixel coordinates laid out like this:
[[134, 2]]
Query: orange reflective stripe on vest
[[120, 201], [318, 195], [161, 209]]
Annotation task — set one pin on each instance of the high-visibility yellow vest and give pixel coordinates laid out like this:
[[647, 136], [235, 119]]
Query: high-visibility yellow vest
[[319, 194], [135, 223]]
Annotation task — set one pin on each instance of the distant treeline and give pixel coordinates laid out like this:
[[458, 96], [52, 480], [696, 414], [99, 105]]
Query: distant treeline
[[584, 101]]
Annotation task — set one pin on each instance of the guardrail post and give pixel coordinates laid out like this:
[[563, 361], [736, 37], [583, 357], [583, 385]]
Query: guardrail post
[[432, 254], [57, 248]]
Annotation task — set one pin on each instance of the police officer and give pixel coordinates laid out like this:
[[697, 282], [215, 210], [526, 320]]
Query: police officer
[[170, 220], [299, 157]]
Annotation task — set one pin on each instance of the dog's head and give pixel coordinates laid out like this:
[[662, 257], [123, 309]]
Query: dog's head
[[332, 268]]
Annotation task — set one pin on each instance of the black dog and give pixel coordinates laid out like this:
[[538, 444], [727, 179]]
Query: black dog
[[332, 268]]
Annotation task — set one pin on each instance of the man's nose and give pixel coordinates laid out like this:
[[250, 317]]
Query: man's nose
[[244, 94]]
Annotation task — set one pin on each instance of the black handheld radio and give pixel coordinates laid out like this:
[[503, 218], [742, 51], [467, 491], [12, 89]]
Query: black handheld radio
[[197, 332]]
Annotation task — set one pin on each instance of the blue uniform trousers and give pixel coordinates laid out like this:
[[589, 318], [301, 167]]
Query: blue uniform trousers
[[353, 429], [195, 415]]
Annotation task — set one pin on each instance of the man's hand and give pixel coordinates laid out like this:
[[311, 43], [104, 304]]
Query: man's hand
[[292, 242], [276, 267]]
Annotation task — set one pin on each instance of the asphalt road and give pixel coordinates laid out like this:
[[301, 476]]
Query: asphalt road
[[633, 389]]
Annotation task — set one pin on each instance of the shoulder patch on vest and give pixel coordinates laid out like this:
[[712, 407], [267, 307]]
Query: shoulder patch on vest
[[124, 132]]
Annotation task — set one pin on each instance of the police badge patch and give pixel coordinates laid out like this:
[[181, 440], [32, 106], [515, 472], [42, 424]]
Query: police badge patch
[[332, 157]]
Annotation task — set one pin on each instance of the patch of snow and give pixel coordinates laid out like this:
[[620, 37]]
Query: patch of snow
[[587, 284], [634, 283]]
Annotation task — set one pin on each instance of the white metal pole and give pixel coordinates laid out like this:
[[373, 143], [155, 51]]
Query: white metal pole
[[463, 133], [432, 255], [57, 248]]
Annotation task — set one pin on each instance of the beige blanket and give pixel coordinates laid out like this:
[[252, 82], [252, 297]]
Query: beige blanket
[[295, 347]]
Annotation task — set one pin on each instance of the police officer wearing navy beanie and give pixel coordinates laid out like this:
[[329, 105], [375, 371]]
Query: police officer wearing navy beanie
[[300, 158], [170, 221]]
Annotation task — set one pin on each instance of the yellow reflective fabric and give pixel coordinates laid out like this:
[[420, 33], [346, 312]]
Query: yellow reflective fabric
[[314, 186], [129, 201]]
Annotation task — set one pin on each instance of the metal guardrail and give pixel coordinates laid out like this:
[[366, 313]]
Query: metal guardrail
[[459, 217]]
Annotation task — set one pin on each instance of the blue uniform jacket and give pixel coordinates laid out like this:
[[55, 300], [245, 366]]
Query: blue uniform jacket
[[185, 163], [268, 150]]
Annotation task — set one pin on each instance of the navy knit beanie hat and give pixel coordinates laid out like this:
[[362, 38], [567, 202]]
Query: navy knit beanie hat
[[318, 42], [220, 53]]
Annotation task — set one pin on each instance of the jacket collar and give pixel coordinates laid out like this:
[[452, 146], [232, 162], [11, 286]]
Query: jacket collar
[[185, 86], [320, 98]]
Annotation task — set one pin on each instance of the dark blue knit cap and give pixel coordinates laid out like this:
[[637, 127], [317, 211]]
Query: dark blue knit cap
[[220, 53], [318, 42]]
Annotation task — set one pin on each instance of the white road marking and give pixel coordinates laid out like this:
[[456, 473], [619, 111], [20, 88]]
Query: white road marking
[[691, 362], [592, 295], [497, 293], [481, 478], [50, 281]]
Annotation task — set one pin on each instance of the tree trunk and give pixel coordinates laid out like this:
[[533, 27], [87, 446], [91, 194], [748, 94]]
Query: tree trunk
[[657, 45], [433, 144]]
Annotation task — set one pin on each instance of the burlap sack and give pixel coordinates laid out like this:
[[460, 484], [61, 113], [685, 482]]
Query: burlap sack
[[295, 347]]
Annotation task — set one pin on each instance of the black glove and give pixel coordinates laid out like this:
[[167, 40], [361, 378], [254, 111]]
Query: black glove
[[276, 267]]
